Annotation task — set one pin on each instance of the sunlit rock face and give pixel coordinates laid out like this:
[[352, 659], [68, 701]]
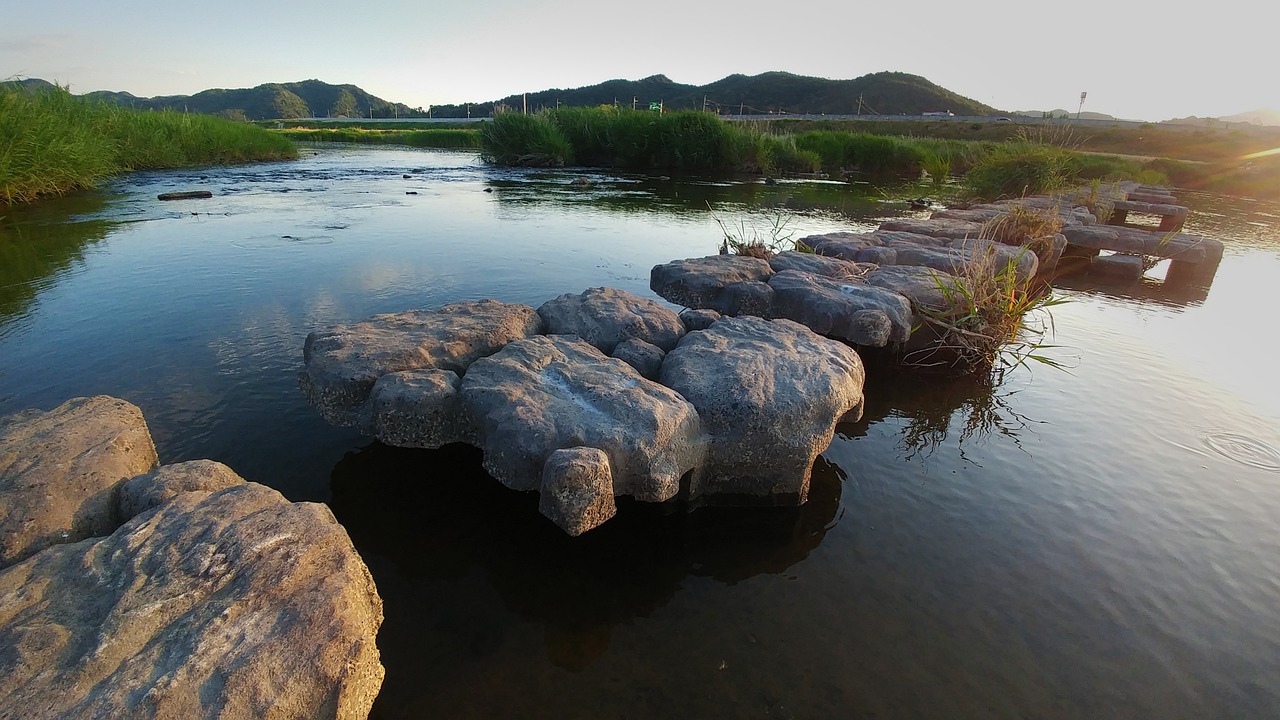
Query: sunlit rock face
[[770, 394], [194, 595]]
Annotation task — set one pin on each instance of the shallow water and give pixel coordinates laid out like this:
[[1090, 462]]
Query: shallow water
[[1104, 542]]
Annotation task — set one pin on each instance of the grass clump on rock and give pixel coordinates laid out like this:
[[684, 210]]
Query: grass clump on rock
[[991, 319], [52, 142]]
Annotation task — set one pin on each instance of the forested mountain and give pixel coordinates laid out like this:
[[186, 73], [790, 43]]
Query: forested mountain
[[886, 93], [273, 100]]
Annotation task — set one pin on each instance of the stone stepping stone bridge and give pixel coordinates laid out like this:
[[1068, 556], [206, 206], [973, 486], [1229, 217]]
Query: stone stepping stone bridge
[[605, 394]]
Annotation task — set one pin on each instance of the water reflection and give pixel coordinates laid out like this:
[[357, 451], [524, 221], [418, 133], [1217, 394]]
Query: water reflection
[[438, 516], [691, 196], [39, 241], [935, 409]]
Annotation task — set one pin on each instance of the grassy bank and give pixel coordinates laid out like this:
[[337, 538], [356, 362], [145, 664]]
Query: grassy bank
[[686, 141], [433, 138], [52, 142]]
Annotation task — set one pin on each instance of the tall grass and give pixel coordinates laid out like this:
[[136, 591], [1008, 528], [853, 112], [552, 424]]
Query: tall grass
[[686, 141], [1018, 169], [52, 142], [527, 140]]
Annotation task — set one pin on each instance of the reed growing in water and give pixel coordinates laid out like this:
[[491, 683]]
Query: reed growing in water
[[448, 138], [52, 142]]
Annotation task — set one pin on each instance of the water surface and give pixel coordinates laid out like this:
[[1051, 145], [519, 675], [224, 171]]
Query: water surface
[[1102, 543]]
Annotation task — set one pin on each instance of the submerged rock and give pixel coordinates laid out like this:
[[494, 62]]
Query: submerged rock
[[605, 317], [769, 394], [60, 472], [344, 362]]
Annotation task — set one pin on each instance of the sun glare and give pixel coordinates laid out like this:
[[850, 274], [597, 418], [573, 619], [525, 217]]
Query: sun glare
[[1261, 153]]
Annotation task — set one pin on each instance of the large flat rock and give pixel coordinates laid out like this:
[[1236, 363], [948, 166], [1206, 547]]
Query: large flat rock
[[770, 394], [848, 309], [544, 394], [1178, 246], [925, 288], [60, 472], [700, 282], [939, 227], [343, 363], [234, 604]]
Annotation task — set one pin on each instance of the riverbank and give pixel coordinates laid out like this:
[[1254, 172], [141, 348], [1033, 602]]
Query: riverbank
[[52, 143]]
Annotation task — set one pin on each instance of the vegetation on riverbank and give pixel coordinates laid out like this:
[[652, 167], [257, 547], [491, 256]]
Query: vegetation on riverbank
[[433, 138], [52, 142]]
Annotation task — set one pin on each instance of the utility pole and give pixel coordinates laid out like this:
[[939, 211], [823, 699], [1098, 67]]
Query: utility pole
[[741, 105], [704, 103], [524, 104], [633, 102], [1082, 96], [859, 103], [468, 111]]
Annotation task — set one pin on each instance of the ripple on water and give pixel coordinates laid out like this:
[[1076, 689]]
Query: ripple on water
[[266, 242], [1242, 448]]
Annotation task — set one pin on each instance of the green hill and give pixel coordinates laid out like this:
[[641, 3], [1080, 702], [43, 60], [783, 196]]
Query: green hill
[[885, 93], [272, 100]]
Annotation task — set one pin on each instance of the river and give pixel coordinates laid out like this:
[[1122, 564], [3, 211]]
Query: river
[[1099, 542]]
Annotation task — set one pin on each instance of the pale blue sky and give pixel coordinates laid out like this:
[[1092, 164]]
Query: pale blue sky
[[1137, 60]]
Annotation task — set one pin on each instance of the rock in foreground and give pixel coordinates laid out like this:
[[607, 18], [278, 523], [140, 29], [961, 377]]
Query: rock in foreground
[[770, 394], [60, 472], [236, 604], [215, 598]]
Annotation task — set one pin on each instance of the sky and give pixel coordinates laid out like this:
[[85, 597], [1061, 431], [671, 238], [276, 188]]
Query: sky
[[1135, 60]]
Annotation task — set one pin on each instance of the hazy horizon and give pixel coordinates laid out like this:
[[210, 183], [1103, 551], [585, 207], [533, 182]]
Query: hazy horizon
[[1023, 59]]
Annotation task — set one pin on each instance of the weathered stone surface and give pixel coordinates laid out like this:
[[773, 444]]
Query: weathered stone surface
[[605, 316], [1180, 246], [842, 245], [1125, 268], [1049, 251], [344, 362], [744, 298], [698, 282], [645, 357], [880, 256], [977, 214], [921, 285], [417, 408], [544, 394], [941, 227], [999, 256], [236, 604], [60, 472], [769, 393], [827, 306], [900, 238], [577, 489], [698, 319], [818, 264], [141, 493]]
